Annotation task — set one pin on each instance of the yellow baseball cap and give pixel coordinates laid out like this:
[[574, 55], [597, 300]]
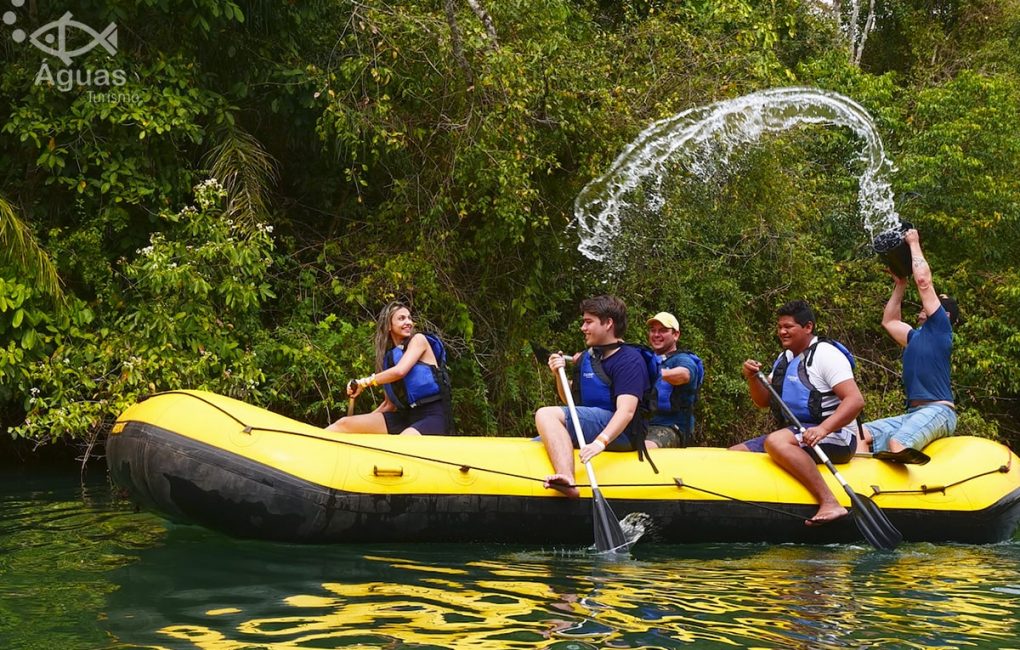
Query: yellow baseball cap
[[665, 318]]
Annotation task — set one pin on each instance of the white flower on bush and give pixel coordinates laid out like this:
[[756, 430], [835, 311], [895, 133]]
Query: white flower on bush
[[209, 193]]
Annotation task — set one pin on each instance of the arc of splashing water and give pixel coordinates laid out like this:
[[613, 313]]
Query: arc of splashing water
[[708, 134]]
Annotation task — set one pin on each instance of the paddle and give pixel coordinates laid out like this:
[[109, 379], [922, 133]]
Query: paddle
[[609, 535], [870, 519], [350, 400], [542, 355]]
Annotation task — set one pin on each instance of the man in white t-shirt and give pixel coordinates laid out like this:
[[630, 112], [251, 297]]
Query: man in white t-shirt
[[815, 379]]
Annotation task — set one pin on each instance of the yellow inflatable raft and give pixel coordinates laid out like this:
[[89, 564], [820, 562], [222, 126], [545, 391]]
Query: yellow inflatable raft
[[207, 459]]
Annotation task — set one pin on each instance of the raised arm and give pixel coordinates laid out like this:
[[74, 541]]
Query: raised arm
[[892, 317], [922, 273]]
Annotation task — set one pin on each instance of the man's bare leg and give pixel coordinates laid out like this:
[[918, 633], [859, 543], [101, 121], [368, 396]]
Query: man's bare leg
[[552, 427], [783, 447]]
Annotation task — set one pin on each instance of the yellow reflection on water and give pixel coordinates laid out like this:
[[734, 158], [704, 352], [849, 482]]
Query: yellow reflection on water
[[780, 596], [402, 563], [225, 610], [202, 637]]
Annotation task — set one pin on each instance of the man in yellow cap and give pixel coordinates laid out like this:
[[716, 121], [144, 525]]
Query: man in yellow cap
[[676, 390]]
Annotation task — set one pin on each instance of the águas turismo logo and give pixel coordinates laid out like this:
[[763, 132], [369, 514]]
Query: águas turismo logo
[[66, 39]]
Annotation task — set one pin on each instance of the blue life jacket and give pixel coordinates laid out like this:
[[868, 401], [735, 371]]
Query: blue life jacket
[[790, 379], [593, 387], [425, 383], [668, 399]]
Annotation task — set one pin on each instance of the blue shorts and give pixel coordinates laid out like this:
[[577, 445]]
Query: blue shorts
[[838, 454], [593, 421], [432, 419], [916, 428]]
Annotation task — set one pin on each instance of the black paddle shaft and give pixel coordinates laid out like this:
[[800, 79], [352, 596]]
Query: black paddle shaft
[[870, 519], [785, 408]]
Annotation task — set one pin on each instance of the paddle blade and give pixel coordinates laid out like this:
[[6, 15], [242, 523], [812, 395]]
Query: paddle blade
[[609, 537], [541, 354], [873, 523]]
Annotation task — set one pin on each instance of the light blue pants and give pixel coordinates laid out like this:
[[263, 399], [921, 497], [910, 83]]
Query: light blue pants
[[916, 428]]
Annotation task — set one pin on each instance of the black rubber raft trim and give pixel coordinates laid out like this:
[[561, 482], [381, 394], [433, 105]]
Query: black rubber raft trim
[[192, 482]]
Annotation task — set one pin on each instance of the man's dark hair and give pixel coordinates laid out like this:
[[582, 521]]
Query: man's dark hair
[[952, 308], [800, 310], [608, 307]]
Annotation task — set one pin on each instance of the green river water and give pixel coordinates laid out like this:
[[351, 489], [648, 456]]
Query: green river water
[[79, 568]]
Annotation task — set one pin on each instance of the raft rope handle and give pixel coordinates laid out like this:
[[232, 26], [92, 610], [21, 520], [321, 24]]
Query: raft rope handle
[[1002, 469], [680, 484], [464, 468], [925, 489]]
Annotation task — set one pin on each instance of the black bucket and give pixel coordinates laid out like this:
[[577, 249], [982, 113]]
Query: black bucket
[[892, 248]]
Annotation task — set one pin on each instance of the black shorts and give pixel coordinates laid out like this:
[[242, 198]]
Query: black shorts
[[838, 454], [432, 419]]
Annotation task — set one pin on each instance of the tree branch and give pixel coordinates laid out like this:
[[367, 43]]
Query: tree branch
[[456, 41], [483, 15]]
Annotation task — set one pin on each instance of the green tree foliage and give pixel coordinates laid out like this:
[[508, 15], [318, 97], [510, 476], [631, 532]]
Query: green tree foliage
[[431, 151], [185, 312]]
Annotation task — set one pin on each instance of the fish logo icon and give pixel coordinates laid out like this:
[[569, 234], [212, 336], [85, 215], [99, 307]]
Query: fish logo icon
[[52, 38]]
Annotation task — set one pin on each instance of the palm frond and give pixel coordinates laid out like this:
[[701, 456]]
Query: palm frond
[[21, 250], [246, 170]]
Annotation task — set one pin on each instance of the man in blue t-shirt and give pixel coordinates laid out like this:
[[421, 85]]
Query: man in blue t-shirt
[[611, 380], [676, 390], [931, 413]]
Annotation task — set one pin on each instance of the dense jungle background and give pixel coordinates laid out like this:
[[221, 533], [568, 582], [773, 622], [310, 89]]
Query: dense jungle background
[[270, 174]]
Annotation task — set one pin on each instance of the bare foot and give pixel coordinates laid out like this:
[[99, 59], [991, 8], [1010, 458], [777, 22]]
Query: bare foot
[[827, 515], [562, 483]]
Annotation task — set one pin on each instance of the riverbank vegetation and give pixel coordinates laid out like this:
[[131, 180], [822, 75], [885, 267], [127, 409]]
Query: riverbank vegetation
[[270, 174]]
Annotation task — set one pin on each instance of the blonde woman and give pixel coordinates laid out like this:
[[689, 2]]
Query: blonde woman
[[411, 368]]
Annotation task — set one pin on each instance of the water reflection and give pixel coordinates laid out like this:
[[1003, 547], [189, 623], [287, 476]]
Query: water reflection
[[81, 570], [59, 541], [260, 595]]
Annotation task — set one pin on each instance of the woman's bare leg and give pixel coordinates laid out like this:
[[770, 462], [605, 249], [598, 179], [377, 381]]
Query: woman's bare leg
[[365, 423]]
